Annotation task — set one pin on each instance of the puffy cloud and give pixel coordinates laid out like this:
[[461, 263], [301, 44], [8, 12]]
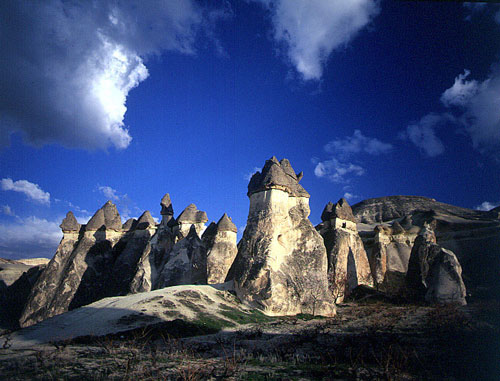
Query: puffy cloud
[[109, 192], [28, 238], [357, 143], [66, 68], [479, 103], [486, 206], [32, 191], [423, 133], [336, 171], [312, 29], [461, 92]]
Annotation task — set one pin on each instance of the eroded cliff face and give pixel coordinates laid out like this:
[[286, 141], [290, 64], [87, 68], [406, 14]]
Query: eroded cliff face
[[79, 271], [348, 265], [281, 265]]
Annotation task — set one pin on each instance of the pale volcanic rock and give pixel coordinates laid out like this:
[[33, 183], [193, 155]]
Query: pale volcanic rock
[[281, 265], [187, 263], [221, 249], [434, 273], [348, 264], [130, 224], [145, 221], [79, 271]]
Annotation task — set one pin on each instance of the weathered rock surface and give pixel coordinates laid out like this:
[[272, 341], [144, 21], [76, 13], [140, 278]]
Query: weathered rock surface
[[281, 265], [221, 249], [434, 273], [187, 263], [348, 265], [79, 271], [191, 216], [474, 237], [70, 224]]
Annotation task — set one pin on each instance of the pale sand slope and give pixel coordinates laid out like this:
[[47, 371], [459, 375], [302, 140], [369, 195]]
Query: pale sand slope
[[117, 314]]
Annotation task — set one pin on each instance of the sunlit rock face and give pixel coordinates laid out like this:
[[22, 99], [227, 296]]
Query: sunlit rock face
[[348, 265], [434, 273], [281, 265], [79, 271], [220, 241]]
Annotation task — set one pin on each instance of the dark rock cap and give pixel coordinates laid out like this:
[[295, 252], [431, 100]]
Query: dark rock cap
[[145, 221], [70, 224], [166, 206], [341, 210], [130, 224], [107, 216], [192, 215], [277, 175], [226, 224]]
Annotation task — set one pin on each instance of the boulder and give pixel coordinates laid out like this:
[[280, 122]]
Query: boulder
[[434, 273], [106, 218], [281, 265], [348, 265], [220, 241]]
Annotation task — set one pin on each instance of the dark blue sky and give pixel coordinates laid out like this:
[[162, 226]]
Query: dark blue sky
[[227, 92]]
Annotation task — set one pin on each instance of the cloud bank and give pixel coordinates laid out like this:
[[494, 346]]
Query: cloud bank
[[29, 238], [32, 191], [312, 29], [66, 68]]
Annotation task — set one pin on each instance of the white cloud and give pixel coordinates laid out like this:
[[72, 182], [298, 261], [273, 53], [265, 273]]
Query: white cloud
[[33, 191], [30, 237], [480, 106], [486, 206], [312, 29], [423, 133], [357, 143], [67, 68], [335, 171], [350, 196], [461, 92], [109, 192], [7, 210]]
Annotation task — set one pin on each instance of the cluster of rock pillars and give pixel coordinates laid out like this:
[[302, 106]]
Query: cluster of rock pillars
[[282, 265]]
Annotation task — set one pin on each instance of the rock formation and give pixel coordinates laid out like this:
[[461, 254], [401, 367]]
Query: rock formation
[[190, 216], [78, 273], [348, 265], [473, 235], [281, 265], [434, 273], [187, 262], [220, 240]]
